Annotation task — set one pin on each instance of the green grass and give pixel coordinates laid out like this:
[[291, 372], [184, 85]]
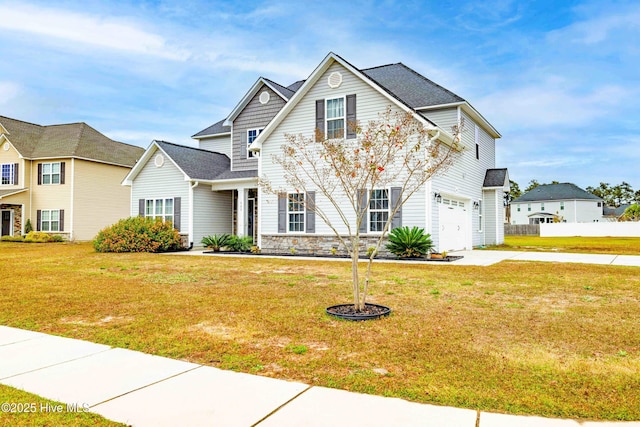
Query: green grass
[[547, 339], [22, 409], [595, 245]]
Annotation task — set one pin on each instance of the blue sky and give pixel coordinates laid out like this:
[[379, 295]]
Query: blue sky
[[559, 79]]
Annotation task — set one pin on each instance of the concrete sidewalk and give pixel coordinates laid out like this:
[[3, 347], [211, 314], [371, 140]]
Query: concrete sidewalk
[[476, 257], [145, 390]]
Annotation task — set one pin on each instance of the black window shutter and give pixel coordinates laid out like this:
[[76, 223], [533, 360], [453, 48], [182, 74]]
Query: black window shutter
[[310, 206], [15, 174], [39, 173], [61, 172], [61, 217], [319, 119], [396, 194], [351, 116], [282, 212], [243, 145], [362, 208], [141, 207], [38, 219], [177, 212]]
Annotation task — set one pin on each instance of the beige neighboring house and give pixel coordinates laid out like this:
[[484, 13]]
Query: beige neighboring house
[[64, 178]]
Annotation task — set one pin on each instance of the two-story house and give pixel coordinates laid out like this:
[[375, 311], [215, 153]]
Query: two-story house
[[65, 179], [211, 189], [564, 202], [215, 188]]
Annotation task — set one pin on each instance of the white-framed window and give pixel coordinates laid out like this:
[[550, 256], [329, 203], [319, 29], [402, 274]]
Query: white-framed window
[[295, 212], [159, 208], [51, 173], [518, 208], [541, 206], [252, 134], [561, 206], [8, 172], [529, 207], [50, 220], [378, 209], [335, 118]]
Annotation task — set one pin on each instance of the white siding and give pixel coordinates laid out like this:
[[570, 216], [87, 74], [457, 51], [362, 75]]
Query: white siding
[[212, 212], [574, 210], [369, 103], [164, 182], [219, 144]]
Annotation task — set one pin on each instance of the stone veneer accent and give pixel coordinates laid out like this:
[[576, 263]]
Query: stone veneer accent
[[17, 218], [305, 244]]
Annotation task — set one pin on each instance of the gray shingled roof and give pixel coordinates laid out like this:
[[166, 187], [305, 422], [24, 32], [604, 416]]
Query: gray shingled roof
[[296, 85], [68, 140], [285, 92], [410, 87], [214, 129], [202, 164], [495, 178], [564, 191]]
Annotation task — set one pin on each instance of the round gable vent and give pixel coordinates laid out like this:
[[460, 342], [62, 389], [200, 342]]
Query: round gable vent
[[264, 97], [159, 160], [335, 80], [6, 146]]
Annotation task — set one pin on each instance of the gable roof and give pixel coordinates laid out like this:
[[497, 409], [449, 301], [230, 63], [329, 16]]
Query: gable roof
[[196, 164], [563, 191], [330, 59], [77, 140], [496, 178]]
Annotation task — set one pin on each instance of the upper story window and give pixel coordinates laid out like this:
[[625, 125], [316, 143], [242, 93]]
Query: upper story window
[[541, 206], [9, 174], [529, 207], [252, 134], [295, 212], [335, 118], [51, 173], [159, 208], [378, 210], [561, 206]]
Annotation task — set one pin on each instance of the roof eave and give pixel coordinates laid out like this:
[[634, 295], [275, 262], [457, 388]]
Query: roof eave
[[212, 135], [469, 109]]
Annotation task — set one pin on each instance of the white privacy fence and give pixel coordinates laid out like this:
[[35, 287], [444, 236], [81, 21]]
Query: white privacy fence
[[591, 229]]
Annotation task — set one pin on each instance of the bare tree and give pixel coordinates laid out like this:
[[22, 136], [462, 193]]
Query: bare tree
[[395, 150]]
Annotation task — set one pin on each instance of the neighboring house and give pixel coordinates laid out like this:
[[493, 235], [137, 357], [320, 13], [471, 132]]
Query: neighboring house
[[549, 203], [64, 178], [612, 213], [211, 189], [461, 209]]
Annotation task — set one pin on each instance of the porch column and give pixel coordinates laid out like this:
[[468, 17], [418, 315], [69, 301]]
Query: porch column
[[241, 215]]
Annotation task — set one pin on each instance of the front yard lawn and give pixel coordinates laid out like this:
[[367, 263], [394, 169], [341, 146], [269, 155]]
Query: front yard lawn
[[593, 245], [557, 340]]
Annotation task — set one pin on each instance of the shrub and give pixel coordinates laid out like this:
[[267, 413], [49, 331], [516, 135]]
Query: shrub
[[240, 243], [12, 239], [405, 242], [632, 213], [28, 228], [41, 237], [215, 242], [138, 234]]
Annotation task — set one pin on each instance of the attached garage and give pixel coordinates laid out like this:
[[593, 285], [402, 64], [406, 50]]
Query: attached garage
[[454, 225]]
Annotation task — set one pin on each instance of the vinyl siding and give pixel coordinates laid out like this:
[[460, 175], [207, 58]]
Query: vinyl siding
[[212, 213], [574, 210], [98, 200], [219, 144], [51, 196], [254, 116], [301, 119], [11, 156], [164, 182], [489, 216]]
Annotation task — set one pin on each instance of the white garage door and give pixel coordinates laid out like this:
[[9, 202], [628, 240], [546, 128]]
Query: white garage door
[[453, 225]]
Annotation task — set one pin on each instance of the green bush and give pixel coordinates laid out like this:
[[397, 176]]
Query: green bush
[[41, 237], [138, 234], [28, 228], [215, 242], [12, 239], [240, 243], [405, 242]]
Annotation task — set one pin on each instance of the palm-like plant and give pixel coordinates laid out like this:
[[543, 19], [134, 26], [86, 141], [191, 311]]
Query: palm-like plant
[[405, 242], [216, 242]]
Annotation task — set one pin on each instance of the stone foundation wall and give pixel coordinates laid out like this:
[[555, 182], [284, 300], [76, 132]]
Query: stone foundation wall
[[304, 244]]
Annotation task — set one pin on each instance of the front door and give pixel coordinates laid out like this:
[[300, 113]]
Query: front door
[[6, 223]]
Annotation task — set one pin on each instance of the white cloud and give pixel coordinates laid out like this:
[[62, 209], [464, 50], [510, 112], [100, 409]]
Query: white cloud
[[104, 32], [8, 92]]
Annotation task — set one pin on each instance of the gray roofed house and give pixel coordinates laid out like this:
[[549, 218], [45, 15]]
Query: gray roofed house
[[218, 128], [564, 202], [63, 179]]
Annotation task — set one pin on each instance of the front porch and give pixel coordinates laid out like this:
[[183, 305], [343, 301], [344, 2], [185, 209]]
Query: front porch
[[11, 216]]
